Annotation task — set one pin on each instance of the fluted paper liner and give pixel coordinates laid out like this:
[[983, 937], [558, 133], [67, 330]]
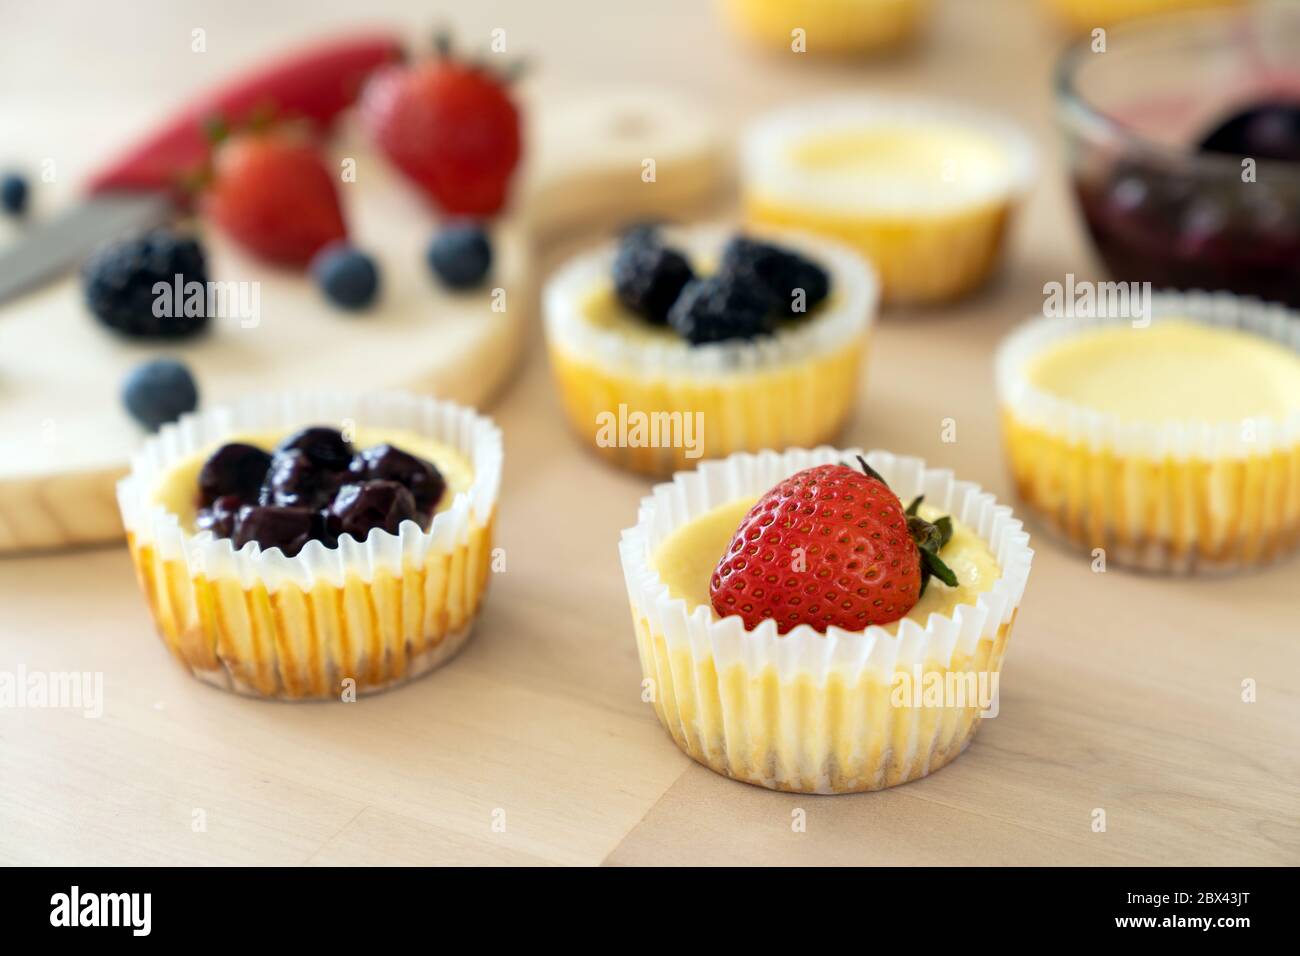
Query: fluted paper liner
[[807, 711], [1177, 497], [376, 612], [793, 388], [928, 245]]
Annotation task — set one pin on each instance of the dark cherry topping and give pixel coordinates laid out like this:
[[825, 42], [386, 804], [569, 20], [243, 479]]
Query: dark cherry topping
[[1269, 130], [313, 488], [326, 447], [219, 517], [358, 508], [388, 463], [234, 469], [1184, 223], [288, 529], [295, 481]]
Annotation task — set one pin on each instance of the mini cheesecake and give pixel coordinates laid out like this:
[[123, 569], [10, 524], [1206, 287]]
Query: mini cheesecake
[[634, 386], [770, 694], [1171, 443], [923, 190], [315, 547]]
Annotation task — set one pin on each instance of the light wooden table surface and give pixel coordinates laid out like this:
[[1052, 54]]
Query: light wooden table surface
[[1120, 692]]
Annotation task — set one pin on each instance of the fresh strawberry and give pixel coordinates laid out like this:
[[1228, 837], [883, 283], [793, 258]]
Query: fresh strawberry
[[449, 126], [829, 546], [313, 84], [272, 193]]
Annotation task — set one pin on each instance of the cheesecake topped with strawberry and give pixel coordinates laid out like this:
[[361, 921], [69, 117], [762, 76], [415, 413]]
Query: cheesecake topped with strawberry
[[830, 546], [801, 627]]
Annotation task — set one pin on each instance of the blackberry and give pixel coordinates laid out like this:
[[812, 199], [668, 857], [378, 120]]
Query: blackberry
[[721, 307], [648, 276], [119, 284], [779, 271]]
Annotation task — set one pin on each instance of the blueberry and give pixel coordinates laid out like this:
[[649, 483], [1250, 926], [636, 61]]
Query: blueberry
[[13, 194], [233, 469], [220, 516], [347, 276], [326, 447], [296, 481], [159, 392], [358, 508], [288, 529], [420, 477], [460, 255]]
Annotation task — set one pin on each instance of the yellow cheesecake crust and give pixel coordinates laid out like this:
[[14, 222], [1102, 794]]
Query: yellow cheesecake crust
[[624, 384]]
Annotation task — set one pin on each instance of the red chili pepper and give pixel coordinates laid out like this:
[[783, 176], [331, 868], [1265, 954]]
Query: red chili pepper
[[315, 84]]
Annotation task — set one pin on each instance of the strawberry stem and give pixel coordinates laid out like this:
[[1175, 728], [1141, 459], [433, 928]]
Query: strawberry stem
[[442, 43], [515, 71], [215, 128], [930, 536], [934, 564], [871, 472]]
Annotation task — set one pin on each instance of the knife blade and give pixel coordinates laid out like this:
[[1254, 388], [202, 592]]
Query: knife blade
[[53, 246]]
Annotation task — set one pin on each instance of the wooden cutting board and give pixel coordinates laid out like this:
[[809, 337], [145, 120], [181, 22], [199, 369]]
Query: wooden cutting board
[[65, 438]]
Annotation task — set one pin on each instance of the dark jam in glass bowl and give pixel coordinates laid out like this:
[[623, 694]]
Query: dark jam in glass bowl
[[1184, 143]]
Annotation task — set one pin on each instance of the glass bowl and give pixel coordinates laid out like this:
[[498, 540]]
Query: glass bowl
[[1159, 207]]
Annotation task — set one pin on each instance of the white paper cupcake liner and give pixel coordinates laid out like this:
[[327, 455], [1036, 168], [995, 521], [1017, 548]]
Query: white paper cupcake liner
[[754, 704], [842, 321], [1163, 497], [346, 607]]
